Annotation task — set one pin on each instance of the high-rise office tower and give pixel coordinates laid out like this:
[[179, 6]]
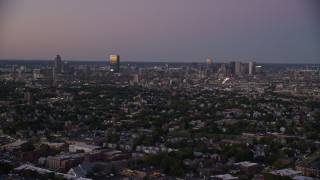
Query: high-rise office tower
[[223, 69], [114, 63], [167, 67], [258, 69], [209, 63], [237, 69], [209, 67], [36, 73], [65, 68], [136, 78], [252, 67], [231, 67], [57, 64]]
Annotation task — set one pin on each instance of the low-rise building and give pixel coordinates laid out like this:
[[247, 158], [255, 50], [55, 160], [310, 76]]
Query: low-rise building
[[142, 172], [82, 147], [81, 170], [15, 145], [286, 172], [223, 177], [54, 145], [29, 156], [63, 163], [248, 167]]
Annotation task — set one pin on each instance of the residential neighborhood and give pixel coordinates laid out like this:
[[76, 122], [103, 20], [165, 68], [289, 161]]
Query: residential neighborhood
[[159, 121]]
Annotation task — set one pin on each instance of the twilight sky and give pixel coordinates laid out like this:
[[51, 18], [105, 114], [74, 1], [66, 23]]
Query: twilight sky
[[281, 31]]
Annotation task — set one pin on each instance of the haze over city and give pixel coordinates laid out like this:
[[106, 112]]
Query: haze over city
[[270, 31]]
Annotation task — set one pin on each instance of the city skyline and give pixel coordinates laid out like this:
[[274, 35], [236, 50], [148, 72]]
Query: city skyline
[[224, 31]]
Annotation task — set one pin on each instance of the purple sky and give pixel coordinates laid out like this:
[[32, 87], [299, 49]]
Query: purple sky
[[284, 31]]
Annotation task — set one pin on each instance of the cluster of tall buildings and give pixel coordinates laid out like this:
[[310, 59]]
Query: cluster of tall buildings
[[59, 66], [234, 67]]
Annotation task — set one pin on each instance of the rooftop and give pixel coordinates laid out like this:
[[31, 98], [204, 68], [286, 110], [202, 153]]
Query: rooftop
[[17, 143], [86, 146], [246, 164], [224, 177], [286, 172]]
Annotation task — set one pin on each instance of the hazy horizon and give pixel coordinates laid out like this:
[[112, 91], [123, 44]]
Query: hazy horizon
[[270, 31], [150, 61]]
